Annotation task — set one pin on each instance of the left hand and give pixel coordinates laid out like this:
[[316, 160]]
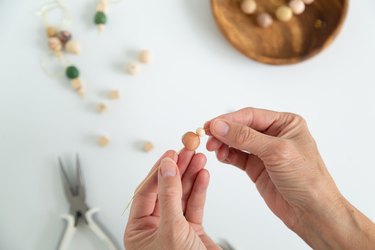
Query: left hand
[[167, 212]]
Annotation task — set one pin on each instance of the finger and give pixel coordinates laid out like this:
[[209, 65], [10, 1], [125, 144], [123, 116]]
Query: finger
[[213, 144], [169, 193], [195, 204], [196, 165], [184, 158], [222, 152], [144, 201], [241, 137]]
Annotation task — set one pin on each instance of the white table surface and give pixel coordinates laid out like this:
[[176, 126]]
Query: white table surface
[[195, 76]]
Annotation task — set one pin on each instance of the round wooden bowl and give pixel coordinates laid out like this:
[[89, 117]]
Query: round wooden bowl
[[284, 42]]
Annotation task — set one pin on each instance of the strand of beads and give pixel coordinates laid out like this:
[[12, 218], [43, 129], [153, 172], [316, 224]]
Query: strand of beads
[[72, 73], [61, 40], [100, 18]]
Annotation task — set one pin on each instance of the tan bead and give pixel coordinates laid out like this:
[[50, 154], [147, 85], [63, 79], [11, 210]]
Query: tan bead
[[102, 107], [51, 31], [54, 44], [191, 141], [284, 13], [133, 68], [103, 7], [101, 27], [76, 84], [248, 6], [297, 6], [81, 92], [103, 2], [200, 132], [73, 47], [148, 146], [103, 141], [308, 1], [144, 56], [264, 20], [114, 94]]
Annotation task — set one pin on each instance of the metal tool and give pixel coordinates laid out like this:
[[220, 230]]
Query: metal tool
[[79, 211], [225, 245]]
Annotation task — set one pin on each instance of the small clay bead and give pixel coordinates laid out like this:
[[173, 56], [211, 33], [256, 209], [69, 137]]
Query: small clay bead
[[73, 47], [101, 7], [72, 72], [54, 44], [76, 84], [308, 1], [100, 18], [248, 6], [103, 141], [264, 20], [81, 92], [144, 56], [148, 147], [114, 94], [133, 68], [191, 141], [102, 107], [104, 2], [297, 6], [284, 13], [200, 132], [51, 31], [64, 36]]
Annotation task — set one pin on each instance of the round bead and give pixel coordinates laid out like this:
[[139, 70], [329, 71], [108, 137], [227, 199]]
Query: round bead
[[308, 1], [101, 7], [200, 132], [191, 141], [133, 68], [76, 84], [54, 44], [51, 31], [103, 141], [73, 47], [284, 13], [64, 36], [144, 56], [248, 6], [100, 18], [297, 6], [72, 72], [264, 20], [148, 147], [102, 107]]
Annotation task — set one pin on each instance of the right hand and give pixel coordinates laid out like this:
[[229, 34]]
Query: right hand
[[280, 156]]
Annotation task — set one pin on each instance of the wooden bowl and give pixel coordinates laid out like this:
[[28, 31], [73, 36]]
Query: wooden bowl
[[284, 42]]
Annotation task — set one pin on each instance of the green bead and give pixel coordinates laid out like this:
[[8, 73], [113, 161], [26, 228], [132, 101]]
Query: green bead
[[72, 72], [100, 18]]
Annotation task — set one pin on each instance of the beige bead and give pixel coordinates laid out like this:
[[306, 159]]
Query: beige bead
[[103, 2], [297, 6], [148, 146], [191, 141], [51, 31], [133, 68], [102, 107], [103, 141], [308, 1], [54, 44], [76, 84], [144, 56], [264, 20], [103, 7], [101, 27], [114, 94], [248, 6], [81, 92], [284, 13], [73, 47], [200, 132]]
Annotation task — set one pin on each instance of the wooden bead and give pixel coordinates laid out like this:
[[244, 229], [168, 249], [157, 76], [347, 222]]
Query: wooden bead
[[73, 47], [133, 68], [103, 141], [81, 92], [297, 6], [200, 132], [76, 84], [284, 13], [191, 141], [144, 56], [54, 44], [248, 6], [101, 27], [64, 36], [308, 1], [101, 7], [264, 20], [102, 107], [148, 147], [51, 31], [114, 94]]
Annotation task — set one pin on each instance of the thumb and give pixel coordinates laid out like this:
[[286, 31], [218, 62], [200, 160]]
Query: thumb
[[169, 191], [241, 137]]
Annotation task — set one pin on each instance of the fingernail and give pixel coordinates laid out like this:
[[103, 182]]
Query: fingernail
[[168, 167], [221, 128]]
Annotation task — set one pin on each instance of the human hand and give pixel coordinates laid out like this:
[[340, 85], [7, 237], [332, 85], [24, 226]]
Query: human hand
[[167, 212], [280, 156]]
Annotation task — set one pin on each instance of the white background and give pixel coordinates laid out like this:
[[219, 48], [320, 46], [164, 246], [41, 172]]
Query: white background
[[195, 76]]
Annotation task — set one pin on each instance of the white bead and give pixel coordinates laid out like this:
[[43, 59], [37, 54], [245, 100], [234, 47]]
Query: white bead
[[101, 27], [264, 20], [308, 1], [284, 13], [73, 47], [297, 6], [200, 132], [144, 56], [133, 68], [248, 6]]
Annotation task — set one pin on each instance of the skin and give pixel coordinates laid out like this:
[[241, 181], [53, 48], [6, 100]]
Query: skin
[[278, 153]]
